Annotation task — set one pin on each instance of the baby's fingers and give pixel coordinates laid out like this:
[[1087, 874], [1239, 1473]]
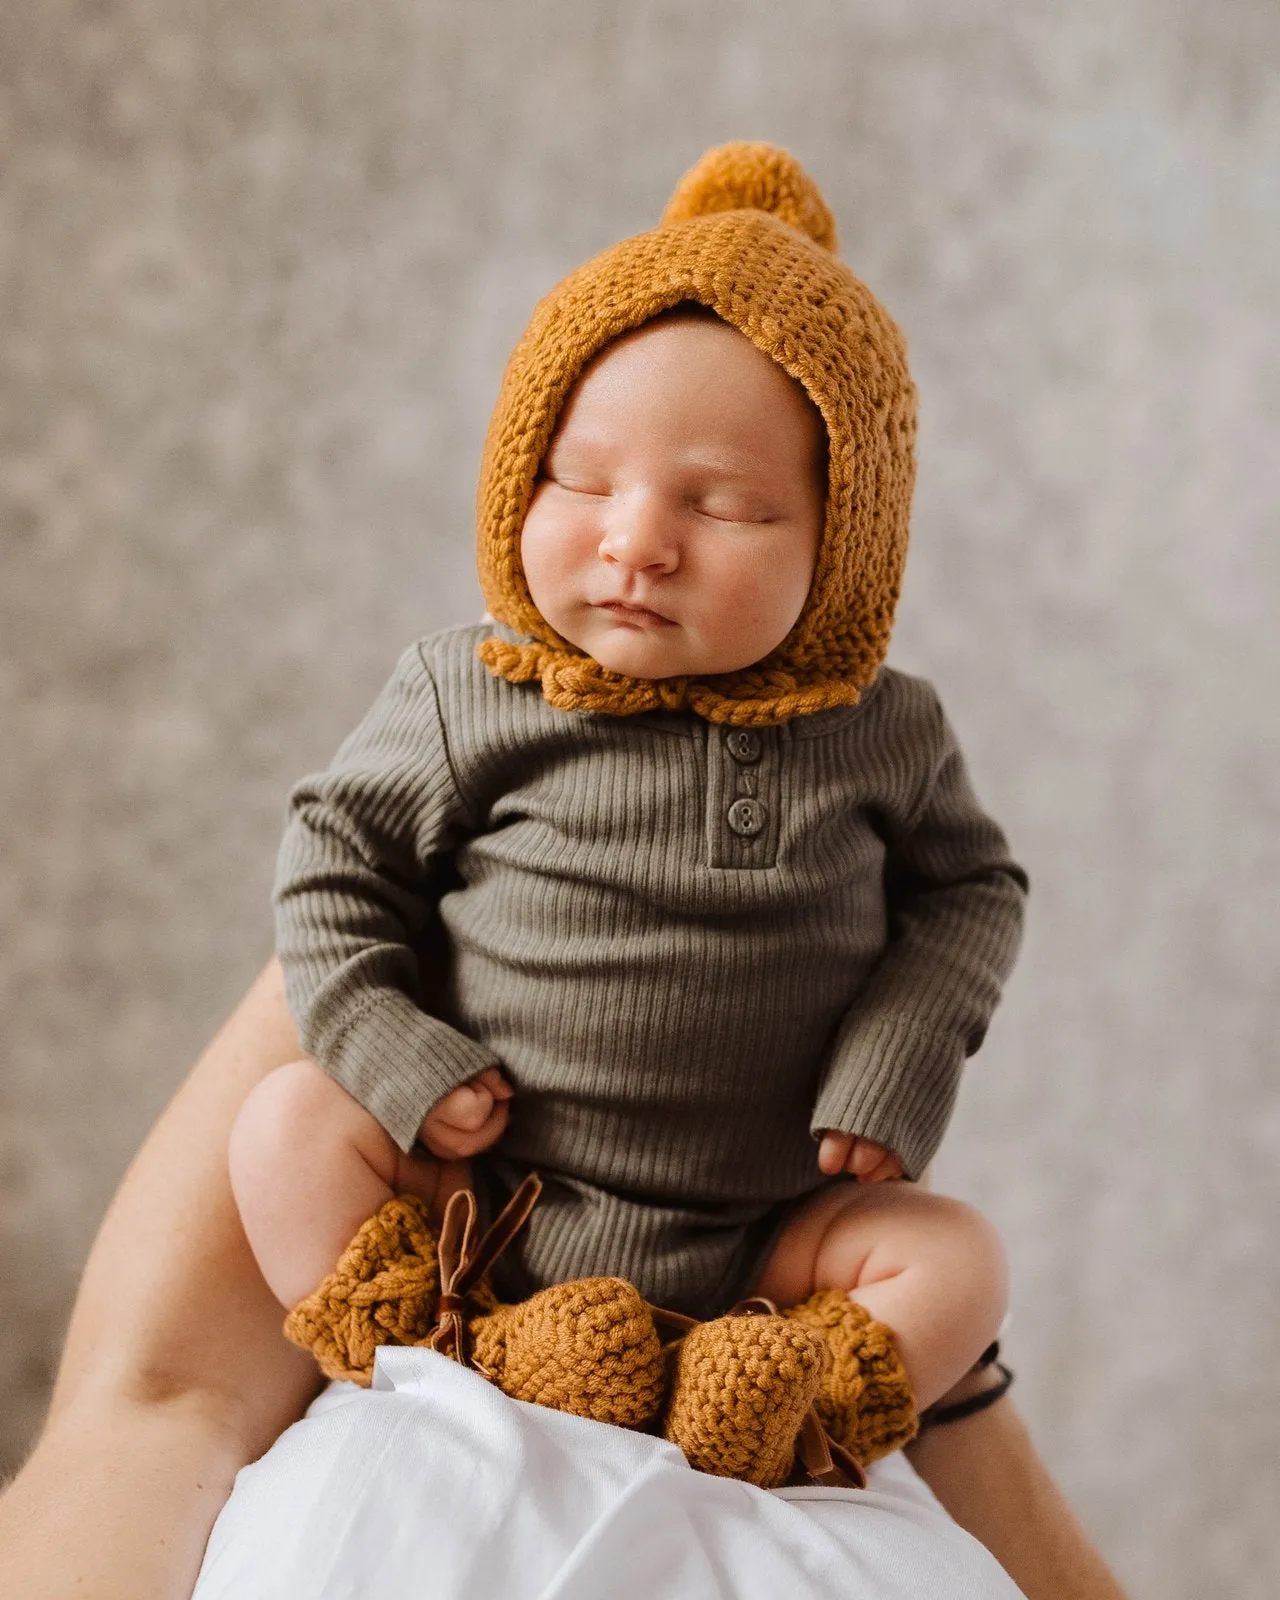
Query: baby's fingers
[[492, 1080], [457, 1144], [887, 1168], [467, 1107], [866, 1157], [472, 1104], [833, 1151]]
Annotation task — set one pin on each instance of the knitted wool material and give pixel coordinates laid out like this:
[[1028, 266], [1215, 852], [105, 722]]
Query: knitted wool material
[[865, 1399], [748, 234], [742, 1387], [588, 1347], [384, 1290]]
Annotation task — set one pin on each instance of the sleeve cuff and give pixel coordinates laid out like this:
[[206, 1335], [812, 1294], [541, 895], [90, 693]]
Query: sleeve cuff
[[398, 1062], [891, 1082]]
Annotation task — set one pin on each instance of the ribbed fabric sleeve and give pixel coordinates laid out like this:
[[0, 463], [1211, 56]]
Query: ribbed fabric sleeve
[[954, 900], [352, 899]]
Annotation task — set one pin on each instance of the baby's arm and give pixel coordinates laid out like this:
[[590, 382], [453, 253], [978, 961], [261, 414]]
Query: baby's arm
[[315, 1152], [354, 891], [954, 901]]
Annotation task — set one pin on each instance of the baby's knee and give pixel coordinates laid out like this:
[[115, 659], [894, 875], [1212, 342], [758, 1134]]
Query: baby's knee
[[298, 1115], [974, 1256], [895, 1231]]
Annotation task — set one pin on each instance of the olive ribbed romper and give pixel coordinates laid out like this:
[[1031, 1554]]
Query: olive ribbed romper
[[689, 946]]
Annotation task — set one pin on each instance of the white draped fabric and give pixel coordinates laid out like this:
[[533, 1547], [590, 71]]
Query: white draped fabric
[[434, 1484]]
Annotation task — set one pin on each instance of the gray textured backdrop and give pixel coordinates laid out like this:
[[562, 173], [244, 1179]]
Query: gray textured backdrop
[[259, 275]]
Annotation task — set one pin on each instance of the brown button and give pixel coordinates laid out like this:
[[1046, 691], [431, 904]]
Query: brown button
[[744, 744], [747, 818]]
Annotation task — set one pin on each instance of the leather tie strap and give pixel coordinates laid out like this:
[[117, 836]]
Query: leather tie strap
[[824, 1461], [463, 1261], [675, 1322]]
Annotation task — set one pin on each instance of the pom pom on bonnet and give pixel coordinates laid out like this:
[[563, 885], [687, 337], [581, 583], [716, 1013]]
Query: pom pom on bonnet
[[747, 234]]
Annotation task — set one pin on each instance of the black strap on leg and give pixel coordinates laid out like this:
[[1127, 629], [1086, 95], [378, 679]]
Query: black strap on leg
[[943, 1411]]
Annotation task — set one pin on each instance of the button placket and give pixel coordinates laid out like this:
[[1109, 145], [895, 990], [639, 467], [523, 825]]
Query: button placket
[[742, 797]]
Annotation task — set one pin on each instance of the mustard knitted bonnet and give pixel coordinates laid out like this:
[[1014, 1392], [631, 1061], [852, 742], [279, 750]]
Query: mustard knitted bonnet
[[748, 235]]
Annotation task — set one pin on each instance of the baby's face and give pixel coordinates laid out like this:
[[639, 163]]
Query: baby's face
[[675, 523]]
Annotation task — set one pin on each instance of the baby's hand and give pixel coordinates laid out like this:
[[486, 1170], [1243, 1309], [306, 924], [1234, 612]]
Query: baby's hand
[[866, 1160], [470, 1119]]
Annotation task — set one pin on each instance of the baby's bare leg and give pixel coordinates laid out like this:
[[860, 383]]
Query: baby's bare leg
[[931, 1268], [308, 1166]]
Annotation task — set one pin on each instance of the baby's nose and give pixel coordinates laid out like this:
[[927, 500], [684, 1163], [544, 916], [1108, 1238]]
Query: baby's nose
[[640, 533]]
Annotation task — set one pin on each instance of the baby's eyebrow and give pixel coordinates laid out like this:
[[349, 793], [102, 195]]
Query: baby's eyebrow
[[575, 445], [721, 463], [724, 464]]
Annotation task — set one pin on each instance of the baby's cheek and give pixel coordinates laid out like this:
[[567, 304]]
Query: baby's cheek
[[537, 558]]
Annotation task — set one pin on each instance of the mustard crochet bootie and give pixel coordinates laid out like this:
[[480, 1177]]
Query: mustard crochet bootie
[[385, 1289], [588, 1347], [741, 1389], [864, 1400]]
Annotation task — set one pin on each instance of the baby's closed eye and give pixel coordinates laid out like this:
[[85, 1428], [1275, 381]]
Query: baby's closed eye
[[721, 509], [574, 484]]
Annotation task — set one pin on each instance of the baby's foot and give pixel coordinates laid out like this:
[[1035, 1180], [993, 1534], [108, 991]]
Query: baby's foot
[[588, 1347], [384, 1290], [743, 1385], [865, 1400]]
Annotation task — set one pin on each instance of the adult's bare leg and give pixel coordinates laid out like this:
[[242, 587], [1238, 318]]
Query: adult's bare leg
[[986, 1471], [175, 1373]]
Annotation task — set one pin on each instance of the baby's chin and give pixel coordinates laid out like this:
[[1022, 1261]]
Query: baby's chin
[[655, 657], [633, 663], [676, 651]]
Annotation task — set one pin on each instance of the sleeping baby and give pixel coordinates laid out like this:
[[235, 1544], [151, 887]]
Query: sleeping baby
[[659, 882]]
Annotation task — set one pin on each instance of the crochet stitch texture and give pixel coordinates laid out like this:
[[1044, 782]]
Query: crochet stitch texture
[[733, 1399], [748, 234]]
